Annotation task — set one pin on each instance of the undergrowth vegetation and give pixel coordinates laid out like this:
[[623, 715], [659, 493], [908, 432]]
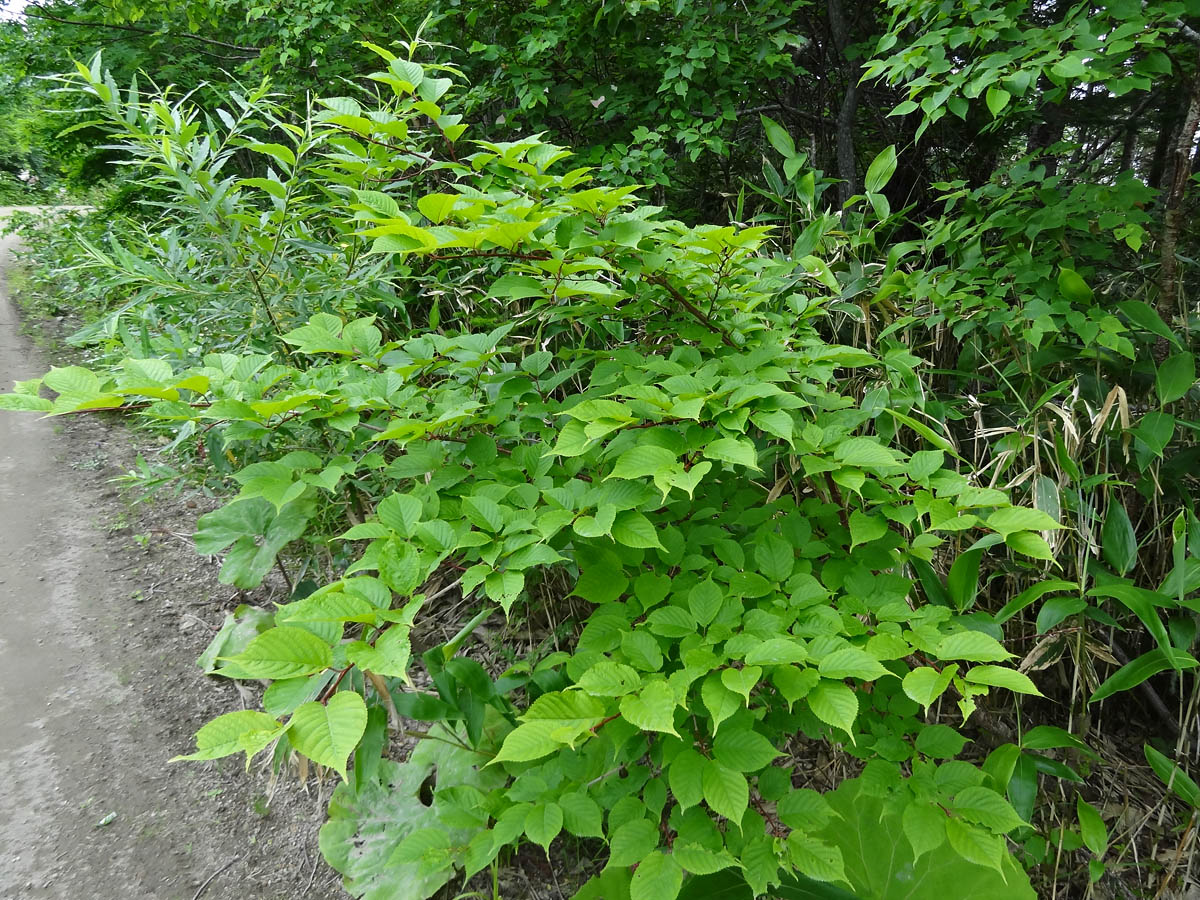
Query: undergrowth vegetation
[[828, 551]]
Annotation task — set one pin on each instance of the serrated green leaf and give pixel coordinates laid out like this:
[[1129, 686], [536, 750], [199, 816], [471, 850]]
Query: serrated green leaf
[[924, 826], [609, 679], [865, 528], [632, 842], [652, 709], [658, 877], [975, 845], [485, 513], [436, 207], [834, 704], [776, 558], [582, 816], [777, 422], [704, 600], [738, 451], [985, 807], [861, 451], [543, 823], [725, 791], [815, 858], [1020, 518], [940, 742], [776, 652], [642, 461], [700, 860], [684, 776], [924, 463], [743, 749], [972, 646], [554, 720], [741, 681], [924, 685], [804, 809], [399, 512], [851, 662], [1030, 544], [633, 529]]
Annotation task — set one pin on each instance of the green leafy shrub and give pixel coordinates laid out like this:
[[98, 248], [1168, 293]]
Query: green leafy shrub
[[500, 380]]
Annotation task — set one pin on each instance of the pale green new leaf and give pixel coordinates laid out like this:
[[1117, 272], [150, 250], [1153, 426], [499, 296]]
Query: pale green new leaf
[[743, 749], [554, 720], [328, 733], [282, 652], [652, 709], [998, 676], [245, 731]]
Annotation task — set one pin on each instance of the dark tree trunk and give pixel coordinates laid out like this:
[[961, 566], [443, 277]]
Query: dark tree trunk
[[1048, 131], [847, 162], [1169, 122]]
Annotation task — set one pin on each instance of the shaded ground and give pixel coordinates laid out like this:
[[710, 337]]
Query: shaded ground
[[103, 609]]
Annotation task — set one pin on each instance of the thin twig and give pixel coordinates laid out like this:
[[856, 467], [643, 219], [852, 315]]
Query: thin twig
[[287, 578], [196, 896], [313, 874], [696, 312]]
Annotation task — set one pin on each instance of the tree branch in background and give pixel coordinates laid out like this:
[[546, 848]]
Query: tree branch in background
[[34, 12], [846, 161], [1188, 32]]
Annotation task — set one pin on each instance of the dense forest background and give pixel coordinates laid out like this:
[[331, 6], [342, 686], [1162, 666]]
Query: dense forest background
[[801, 396]]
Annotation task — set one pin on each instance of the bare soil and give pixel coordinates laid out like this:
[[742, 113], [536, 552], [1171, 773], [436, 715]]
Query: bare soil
[[104, 607]]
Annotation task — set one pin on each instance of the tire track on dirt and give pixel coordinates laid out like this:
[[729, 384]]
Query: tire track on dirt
[[99, 690]]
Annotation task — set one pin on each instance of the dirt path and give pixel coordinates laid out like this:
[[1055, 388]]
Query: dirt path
[[103, 609]]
